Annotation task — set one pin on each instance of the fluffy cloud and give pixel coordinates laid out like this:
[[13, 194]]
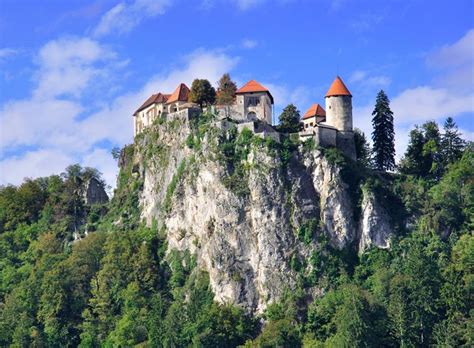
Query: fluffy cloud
[[425, 103], [33, 164], [459, 53], [68, 65], [455, 63], [365, 79], [125, 16], [57, 122]]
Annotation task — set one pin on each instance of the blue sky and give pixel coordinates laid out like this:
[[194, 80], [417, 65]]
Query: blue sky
[[72, 72]]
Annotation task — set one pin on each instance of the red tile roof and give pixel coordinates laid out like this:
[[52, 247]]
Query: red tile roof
[[181, 93], [252, 87], [314, 110], [338, 88], [153, 99]]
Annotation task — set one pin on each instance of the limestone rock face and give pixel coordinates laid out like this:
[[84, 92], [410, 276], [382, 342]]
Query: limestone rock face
[[375, 224], [246, 241], [94, 192]]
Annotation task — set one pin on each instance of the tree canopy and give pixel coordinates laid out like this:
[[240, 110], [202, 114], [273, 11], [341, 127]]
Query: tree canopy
[[226, 90], [289, 119], [202, 92]]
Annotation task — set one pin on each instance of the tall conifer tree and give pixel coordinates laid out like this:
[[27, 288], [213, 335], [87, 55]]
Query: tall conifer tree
[[383, 135], [452, 145]]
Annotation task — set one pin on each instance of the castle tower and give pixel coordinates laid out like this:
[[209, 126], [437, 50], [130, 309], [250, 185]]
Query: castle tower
[[339, 106], [339, 116]]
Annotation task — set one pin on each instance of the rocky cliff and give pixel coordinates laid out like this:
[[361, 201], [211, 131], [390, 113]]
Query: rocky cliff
[[252, 211]]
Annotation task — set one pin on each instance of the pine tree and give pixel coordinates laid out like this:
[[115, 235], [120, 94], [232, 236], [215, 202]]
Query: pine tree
[[383, 135], [289, 119], [226, 90], [452, 145]]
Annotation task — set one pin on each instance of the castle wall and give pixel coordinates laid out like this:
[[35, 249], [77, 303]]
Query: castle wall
[[345, 143], [339, 112], [245, 105], [147, 116], [325, 136]]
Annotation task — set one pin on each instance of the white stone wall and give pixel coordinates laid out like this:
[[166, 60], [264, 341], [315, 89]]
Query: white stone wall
[[144, 118], [263, 111], [339, 112], [309, 124]]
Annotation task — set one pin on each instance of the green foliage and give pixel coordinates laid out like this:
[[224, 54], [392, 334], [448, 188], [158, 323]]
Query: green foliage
[[452, 145], [233, 150], [363, 150], [202, 92], [121, 286], [226, 90], [423, 157], [308, 230], [289, 119], [383, 135]]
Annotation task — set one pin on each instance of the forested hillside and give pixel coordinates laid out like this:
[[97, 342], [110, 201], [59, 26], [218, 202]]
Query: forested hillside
[[118, 284]]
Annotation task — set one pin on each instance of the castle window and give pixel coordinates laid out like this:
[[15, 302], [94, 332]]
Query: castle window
[[253, 101]]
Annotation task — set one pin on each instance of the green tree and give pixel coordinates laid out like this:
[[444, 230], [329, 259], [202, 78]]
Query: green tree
[[383, 134], [202, 92], [363, 151], [226, 90], [452, 145], [289, 119], [423, 155]]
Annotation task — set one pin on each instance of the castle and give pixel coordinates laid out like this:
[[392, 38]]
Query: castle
[[253, 109]]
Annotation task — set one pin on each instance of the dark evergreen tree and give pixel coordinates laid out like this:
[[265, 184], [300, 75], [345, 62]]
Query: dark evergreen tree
[[383, 135], [202, 92], [363, 150], [289, 119], [452, 145], [226, 90]]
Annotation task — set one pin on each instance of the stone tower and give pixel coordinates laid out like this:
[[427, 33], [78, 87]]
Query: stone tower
[[339, 106], [339, 116]]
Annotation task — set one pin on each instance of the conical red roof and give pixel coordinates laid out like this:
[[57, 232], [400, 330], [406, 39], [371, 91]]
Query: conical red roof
[[314, 110], [181, 93], [338, 88]]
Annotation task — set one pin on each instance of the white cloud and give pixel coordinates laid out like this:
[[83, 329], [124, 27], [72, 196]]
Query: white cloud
[[33, 164], [125, 16], [425, 103], [458, 53], [456, 62], [7, 52], [56, 122], [249, 44], [68, 65], [365, 79], [416, 106]]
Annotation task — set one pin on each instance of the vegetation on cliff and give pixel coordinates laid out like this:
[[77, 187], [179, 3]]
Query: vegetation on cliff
[[118, 286]]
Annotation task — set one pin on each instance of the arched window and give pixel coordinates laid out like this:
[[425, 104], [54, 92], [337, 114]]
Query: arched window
[[252, 116]]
